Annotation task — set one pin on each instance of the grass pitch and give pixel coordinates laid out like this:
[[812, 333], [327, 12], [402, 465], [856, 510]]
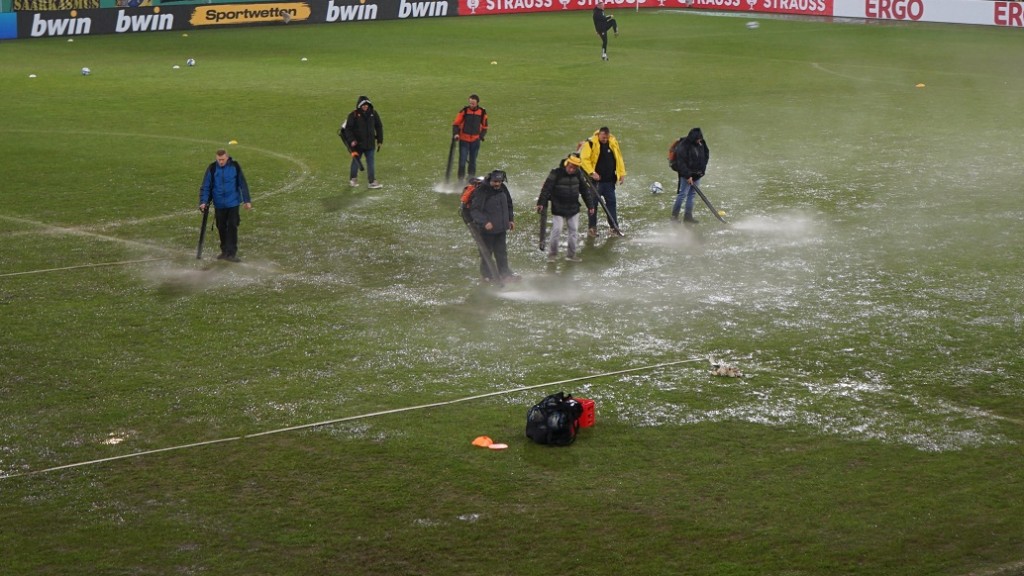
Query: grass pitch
[[869, 287]]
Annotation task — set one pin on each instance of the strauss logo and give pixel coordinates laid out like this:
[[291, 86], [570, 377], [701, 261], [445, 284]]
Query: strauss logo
[[473, 5], [564, 3], [751, 3]]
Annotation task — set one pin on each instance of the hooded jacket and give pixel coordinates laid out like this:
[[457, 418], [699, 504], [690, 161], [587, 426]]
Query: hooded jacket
[[601, 21], [692, 155], [363, 126]]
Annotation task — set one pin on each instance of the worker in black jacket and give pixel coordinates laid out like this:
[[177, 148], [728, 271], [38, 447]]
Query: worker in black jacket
[[690, 160], [490, 211], [563, 188], [363, 133]]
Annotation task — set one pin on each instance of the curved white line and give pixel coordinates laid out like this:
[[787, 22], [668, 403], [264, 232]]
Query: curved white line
[[86, 230]]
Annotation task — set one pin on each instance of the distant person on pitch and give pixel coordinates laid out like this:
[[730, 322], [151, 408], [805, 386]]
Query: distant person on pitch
[[691, 155], [364, 134], [469, 129], [490, 211], [563, 188], [602, 24], [224, 186], [602, 161]]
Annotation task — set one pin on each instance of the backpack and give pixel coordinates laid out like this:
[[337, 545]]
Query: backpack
[[467, 196], [341, 132], [554, 420], [675, 155]]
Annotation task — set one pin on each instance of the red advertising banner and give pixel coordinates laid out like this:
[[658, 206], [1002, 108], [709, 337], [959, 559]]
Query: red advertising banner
[[804, 7], [483, 7]]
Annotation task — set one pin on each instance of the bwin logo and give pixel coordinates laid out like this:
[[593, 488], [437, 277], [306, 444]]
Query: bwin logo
[[422, 9], [348, 12], [143, 22], [60, 26]]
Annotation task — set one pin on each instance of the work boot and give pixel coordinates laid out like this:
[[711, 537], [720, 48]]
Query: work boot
[[592, 232], [689, 219], [353, 182], [675, 218]]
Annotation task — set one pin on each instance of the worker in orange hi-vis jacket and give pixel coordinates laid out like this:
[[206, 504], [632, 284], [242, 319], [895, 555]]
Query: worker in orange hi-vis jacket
[[470, 129]]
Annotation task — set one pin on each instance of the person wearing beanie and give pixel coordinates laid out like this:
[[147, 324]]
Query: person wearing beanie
[[563, 188], [469, 129], [363, 133], [602, 161], [490, 213]]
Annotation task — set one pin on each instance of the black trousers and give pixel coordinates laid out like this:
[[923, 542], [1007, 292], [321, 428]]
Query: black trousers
[[495, 244], [612, 25], [228, 220]]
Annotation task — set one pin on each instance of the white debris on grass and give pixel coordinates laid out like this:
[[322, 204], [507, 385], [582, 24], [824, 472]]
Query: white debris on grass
[[851, 408]]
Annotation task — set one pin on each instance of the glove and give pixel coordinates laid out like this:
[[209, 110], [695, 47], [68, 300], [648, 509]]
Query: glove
[[355, 154], [378, 146]]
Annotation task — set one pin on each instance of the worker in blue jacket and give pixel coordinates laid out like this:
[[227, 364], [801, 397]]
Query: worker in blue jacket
[[224, 186]]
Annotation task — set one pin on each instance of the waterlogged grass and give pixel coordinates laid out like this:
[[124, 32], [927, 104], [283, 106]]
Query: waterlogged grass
[[868, 286]]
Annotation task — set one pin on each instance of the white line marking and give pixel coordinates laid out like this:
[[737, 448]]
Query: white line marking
[[80, 232], [97, 265], [304, 173], [349, 418]]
